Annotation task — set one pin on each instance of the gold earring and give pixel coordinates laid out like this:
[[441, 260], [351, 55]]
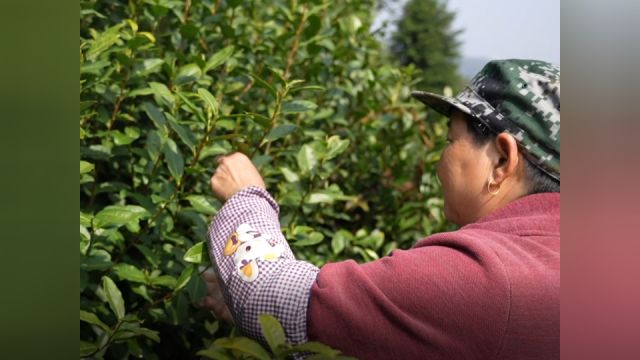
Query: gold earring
[[489, 183]]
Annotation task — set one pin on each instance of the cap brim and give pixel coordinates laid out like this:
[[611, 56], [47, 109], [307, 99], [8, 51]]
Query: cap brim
[[442, 104]]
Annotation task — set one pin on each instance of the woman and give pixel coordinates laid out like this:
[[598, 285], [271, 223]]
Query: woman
[[488, 290]]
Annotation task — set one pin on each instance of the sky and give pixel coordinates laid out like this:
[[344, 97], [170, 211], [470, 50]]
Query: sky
[[498, 29]]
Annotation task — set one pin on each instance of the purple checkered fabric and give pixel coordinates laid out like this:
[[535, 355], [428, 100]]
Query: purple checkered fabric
[[282, 287]]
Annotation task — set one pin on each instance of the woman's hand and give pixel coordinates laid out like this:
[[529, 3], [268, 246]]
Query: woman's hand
[[234, 173], [214, 301]]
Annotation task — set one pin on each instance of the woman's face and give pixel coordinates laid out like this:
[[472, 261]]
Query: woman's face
[[463, 169]]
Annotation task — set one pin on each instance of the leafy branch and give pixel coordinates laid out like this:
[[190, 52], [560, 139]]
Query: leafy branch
[[296, 43]]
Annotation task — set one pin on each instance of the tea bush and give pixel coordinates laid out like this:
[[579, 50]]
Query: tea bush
[[303, 88]]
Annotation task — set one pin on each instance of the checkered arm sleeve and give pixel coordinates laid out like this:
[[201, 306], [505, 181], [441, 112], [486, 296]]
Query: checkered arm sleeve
[[259, 272]]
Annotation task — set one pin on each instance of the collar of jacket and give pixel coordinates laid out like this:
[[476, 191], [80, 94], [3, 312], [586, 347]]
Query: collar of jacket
[[531, 213]]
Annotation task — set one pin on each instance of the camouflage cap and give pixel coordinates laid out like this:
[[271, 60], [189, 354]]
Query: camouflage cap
[[521, 97]]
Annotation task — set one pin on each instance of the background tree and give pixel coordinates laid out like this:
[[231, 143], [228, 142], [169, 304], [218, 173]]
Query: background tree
[[425, 38]]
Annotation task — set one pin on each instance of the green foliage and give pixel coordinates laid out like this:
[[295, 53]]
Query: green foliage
[[425, 38], [227, 348], [301, 87]]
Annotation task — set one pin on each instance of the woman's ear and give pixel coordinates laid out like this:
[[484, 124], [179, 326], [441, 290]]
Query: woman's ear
[[507, 157]]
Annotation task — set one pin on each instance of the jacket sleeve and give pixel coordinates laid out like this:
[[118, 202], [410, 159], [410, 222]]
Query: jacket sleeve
[[431, 302], [259, 272]]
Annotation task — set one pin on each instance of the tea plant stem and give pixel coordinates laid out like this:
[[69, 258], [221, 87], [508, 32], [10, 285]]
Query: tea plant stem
[[214, 8], [203, 44], [187, 7], [169, 295], [301, 204], [121, 97], [281, 95], [274, 116], [204, 142], [296, 43], [109, 340]]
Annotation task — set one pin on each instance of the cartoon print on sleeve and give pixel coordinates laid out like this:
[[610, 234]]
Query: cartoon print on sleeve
[[247, 246]]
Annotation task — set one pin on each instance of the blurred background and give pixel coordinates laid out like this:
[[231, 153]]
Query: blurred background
[[490, 29]]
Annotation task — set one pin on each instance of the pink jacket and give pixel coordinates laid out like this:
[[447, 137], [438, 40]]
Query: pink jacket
[[490, 290]]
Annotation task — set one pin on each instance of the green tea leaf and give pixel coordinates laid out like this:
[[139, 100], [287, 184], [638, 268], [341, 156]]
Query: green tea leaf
[[316, 348], [148, 333], [218, 58], [339, 241], [84, 105], [92, 318], [149, 255], [104, 41], [297, 106], [294, 83], [87, 348], [121, 139], [309, 88], [319, 197], [184, 277], [184, 133], [164, 280], [210, 100], [280, 131], [278, 73], [245, 346], [202, 204], [195, 253], [130, 330], [154, 144], [148, 35], [215, 353], [353, 23], [197, 287], [85, 238], [85, 167], [372, 254], [85, 219], [114, 297], [272, 331], [140, 92], [118, 215], [187, 74], [213, 150], [307, 159], [130, 273], [312, 239], [289, 175], [156, 116], [258, 80], [174, 159], [95, 67], [336, 146], [132, 24], [194, 109], [98, 260], [132, 132], [162, 92], [327, 195], [148, 66], [261, 160], [260, 119]]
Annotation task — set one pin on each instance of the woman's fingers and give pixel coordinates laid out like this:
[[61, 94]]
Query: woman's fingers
[[214, 301], [219, 308]]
